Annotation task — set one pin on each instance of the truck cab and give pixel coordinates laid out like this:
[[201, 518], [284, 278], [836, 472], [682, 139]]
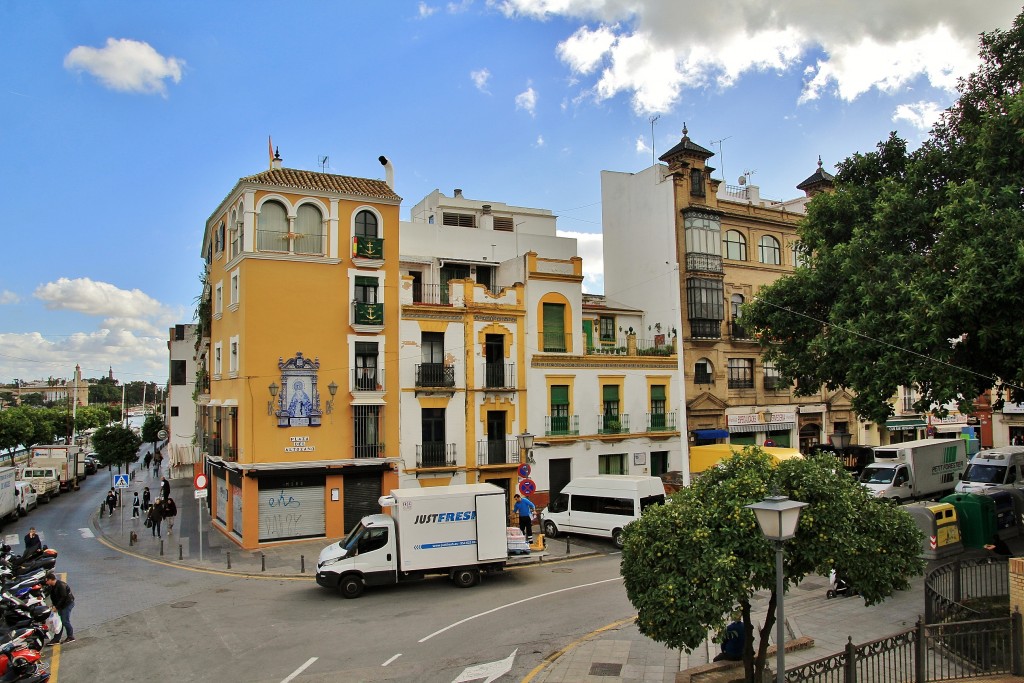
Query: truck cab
[[366, 557]]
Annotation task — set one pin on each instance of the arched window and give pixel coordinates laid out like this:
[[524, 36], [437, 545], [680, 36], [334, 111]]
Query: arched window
[[703, 372], [309, 230], [737, 302], [272, 227], [735, 245], [768, 251], [799, 257], [366, 224]]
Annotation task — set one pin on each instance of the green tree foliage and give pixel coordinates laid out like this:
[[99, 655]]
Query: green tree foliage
[[687, 564], [92, 416], [15, 430], [33, 399], [116, 445], [104, 390], [151, 428], [915, 272]]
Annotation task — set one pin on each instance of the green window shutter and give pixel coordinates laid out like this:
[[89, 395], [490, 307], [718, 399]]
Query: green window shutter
[[658, 392], [560, 395], [554, 317], [611, 392], [366, 281]]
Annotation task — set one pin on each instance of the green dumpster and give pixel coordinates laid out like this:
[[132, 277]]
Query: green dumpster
[[977, 516]]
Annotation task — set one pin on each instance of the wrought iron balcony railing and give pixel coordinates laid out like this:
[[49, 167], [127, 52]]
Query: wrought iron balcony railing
[[661, 422], [435, 375], [499, 375], [498, 452], [435, 454], [613, 424], [562, 425]]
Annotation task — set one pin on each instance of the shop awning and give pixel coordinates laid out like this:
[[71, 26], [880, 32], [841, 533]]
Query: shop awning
[[894, 425], [711, 433], [762, 427]]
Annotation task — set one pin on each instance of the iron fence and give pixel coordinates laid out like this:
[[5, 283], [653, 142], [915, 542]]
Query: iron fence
[[966, 589]]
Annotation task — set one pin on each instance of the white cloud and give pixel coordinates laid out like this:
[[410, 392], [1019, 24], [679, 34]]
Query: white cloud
[[641, 145], [459, 7], [126, 65], [134, 357], [921, 115], [425, 10], [539, 142], [527, 100], [653, 50], [480, 78], [8, 297], [84, 295], [589, 247]]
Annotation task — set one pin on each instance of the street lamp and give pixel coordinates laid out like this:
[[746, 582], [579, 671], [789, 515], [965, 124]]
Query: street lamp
[[778, 516], [841, 440], [273, 394], [526, 444]]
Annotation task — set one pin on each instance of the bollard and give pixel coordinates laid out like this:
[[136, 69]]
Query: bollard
[[263, 562], [302, 564], [229, 559], [567, 544], [161, 547], [180, 555], [131, 539], [102, 505]]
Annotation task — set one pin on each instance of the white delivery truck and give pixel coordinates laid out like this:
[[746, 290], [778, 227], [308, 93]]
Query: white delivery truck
[[65, 458], [927, 468], [601, 505], [8, 497], [456, 530], [994, 467]]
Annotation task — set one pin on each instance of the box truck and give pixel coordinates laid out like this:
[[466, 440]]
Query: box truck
[[8, 496], [927, 468], [65, 459], [456, 530], [994, 467]]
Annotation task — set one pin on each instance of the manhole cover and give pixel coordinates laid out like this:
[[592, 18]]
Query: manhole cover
[[602, 669], [562, 570], [183, 604]]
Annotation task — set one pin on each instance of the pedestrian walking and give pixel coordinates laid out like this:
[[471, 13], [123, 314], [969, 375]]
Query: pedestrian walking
[[136, 504], [524, 507], [32, 542], [63, 599], [155, 517], [146, 497], [148, 459], [165, 488], [111, 502], [170, 512], [157, 459]]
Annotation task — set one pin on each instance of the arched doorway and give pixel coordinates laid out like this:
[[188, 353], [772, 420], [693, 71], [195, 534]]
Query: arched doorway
[[810, 436]]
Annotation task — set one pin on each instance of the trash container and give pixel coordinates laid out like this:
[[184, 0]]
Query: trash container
[[1006, 512], [941, 528], [977, 515]]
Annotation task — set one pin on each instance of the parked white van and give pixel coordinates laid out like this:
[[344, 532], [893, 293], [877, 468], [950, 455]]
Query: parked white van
[[25, 495], [601, 505], [994, 467]]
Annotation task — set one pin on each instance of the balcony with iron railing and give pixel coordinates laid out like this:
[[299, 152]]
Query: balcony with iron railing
[[701, 328], [435, 375], [368, 248], [368, 379], [435, 454], [367, 450], [703, 263], [661, 422], [562, 425], [367, 314], [429, 294], [556, 342], [499, 375], [661, 346], [498, 452], [613, 424], [738, 331]]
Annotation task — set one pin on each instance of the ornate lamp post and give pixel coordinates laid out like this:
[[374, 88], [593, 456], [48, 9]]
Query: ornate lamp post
[[778, 516], [526, 444]]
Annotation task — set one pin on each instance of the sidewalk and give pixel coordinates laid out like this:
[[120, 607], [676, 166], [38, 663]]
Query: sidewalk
[[181, 546]]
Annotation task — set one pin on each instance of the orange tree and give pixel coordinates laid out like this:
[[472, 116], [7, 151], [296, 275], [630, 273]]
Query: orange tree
[[689, 563]]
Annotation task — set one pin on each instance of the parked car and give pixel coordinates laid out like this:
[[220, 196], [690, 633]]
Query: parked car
[[25, 495], [92, 464]]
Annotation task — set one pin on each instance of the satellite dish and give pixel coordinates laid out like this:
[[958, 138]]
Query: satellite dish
[[743, 180]]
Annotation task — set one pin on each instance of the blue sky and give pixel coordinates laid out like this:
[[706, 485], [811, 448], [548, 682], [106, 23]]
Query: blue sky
[[123, 124]]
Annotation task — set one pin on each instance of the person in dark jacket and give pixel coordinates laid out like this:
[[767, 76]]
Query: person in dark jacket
[[170, 512], [111, 502], [63, 599], [165, 488], [32, 542], [735, 639], [146, 497], [155, 517]]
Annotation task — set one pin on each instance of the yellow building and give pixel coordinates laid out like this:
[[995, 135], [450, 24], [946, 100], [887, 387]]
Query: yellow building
[[298, 329]]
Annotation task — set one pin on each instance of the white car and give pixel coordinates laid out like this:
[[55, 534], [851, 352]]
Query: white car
[[26, 497]]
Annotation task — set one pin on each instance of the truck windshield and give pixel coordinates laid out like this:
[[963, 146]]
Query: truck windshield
[[874, 475], [349, 542], [985, 474]]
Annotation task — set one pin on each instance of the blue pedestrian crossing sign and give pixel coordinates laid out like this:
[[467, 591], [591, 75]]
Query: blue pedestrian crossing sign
[[120, 481]]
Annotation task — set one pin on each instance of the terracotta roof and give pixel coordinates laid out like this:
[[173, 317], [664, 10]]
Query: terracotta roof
[[323, 182]]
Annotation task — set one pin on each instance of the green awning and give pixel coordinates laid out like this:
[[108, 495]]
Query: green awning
[[897, 424]]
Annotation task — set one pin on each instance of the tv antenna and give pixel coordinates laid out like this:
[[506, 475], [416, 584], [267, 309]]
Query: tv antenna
[[653, 120], [721, 154], [324, 162], [745, 178]]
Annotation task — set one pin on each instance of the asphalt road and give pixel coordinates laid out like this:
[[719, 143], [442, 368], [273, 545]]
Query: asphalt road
[[137, 620]]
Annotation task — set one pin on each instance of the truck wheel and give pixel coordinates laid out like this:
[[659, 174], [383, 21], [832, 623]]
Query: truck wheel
[[350, 587], [550, 530], [617, 538], [466, 578], [896, 501]]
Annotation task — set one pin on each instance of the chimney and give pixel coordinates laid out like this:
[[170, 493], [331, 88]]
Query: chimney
[[389, 171], [276, 162], [487, 220], [458, 193]]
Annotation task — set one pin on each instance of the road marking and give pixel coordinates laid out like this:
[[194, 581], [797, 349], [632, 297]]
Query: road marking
[[491, 671], [513, 604], [86, 533], [392, 659], [550, 659], [300, 669], [12, 539]]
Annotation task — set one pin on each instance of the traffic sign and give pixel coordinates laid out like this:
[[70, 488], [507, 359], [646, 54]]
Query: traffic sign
[[162, 434], [527, 487], [120, 481], [202, 493], [200, 481], [524, 470]]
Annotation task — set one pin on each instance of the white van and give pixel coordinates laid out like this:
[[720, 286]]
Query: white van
[[993, 467], [25, 495], [601, 505]]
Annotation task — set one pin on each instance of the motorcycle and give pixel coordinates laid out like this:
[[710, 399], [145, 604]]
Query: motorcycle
[[19, 663], [41, 558]]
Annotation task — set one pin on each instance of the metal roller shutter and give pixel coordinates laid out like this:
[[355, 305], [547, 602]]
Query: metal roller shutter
[[361, 495], [291, 511], [236, 505], [221, 485]]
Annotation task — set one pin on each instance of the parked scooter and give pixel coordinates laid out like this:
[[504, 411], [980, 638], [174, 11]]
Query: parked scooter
[[41, 558], [21, 664]]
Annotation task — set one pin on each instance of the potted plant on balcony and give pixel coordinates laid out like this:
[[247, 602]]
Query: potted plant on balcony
[[612, 425]]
